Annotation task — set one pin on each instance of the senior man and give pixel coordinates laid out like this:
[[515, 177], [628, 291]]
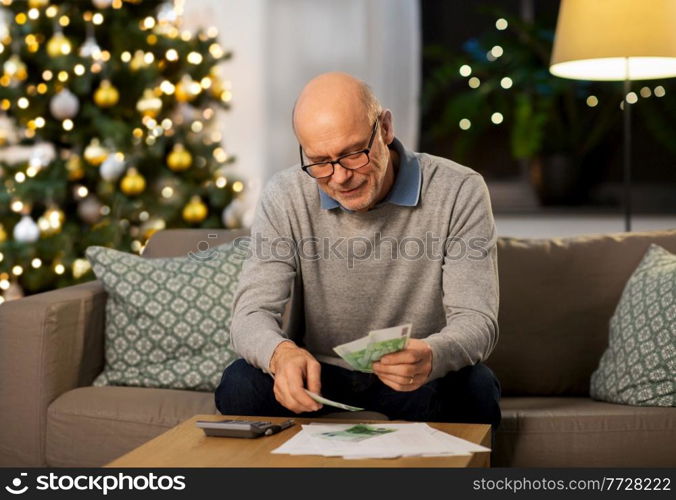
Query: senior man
[[379, 236]]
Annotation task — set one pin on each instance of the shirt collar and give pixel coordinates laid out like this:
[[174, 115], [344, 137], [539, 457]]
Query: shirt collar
[[406, 188]]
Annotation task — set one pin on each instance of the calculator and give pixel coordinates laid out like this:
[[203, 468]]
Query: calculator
[[241, 428]]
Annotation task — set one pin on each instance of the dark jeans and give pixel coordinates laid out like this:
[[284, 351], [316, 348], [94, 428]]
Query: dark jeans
[[470, 395]]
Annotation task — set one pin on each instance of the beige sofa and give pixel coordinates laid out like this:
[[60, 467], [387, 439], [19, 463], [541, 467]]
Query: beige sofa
[[557, 296]]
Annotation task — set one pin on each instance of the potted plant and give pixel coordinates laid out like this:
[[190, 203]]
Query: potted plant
[[501, 78]]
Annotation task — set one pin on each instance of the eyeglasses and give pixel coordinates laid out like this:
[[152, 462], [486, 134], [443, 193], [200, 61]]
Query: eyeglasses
[[350, 161]]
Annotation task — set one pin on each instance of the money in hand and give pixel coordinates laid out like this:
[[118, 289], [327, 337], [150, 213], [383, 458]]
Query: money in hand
[[360, 354], [335, 404]]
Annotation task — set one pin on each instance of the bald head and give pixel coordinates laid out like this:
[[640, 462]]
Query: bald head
[[332, 99]]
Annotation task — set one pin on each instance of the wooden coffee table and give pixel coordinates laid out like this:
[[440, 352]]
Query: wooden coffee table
[[186, 446]]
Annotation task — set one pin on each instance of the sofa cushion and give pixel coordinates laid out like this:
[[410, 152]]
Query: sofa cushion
[[90, 426], [580, 432], [167, 320], [639, 366], [556, 299]]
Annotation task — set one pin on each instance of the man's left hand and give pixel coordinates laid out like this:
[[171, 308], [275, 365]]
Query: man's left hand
[[408, 369]]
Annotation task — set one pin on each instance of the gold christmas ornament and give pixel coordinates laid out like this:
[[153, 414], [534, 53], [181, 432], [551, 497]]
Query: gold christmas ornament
[[195, 211], [138, 61], [95, 153], [187, 89], [179, 159], [151, 227], [58, 45], [15, 68], [217, 87], [132, 183], [74, 168], [51, 221], [3, 234], [149, 105], [106, 95]]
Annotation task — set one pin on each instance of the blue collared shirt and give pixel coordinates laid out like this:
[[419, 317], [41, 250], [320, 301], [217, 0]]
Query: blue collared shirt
[[406, 188]]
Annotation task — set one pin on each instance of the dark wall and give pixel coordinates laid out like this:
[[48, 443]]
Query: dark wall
[[452, 22]]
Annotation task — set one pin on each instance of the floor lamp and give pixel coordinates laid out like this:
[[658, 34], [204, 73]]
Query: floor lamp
[[616, 40]]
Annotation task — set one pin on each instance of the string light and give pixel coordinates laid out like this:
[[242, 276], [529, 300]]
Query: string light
[[20, 177], [592, 101], [632, 98], [645, 92], [97, 19], [216, 51], [194, 58], [501, 24], [220, 155], [465, 70], [17, 270], [23, 103], [474, 82], [33, 14], [36, 263], [167, 87], [67, 124], [167, 192], [496, 51], [465, 124], [171, 55], [497, 118], [659, 91], [64, 21], [221, 182], [506, 82], [59, 268], [237, 186], [79, 69]]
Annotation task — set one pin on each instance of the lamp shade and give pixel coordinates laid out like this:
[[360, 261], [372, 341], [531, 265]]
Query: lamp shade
[[615, 40]]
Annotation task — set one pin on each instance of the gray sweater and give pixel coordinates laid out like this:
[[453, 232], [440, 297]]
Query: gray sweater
[[433, 264]]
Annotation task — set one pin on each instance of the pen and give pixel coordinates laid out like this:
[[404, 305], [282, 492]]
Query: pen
[[274, 429], [287, 424]]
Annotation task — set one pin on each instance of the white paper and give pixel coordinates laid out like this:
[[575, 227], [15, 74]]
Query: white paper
[[409, 439]]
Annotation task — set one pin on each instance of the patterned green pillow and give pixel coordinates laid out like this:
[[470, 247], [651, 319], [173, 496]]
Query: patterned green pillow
[[167, 319], [639, 365]]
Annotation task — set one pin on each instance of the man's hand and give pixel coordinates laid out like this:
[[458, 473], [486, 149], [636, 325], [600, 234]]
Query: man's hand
[[293, 368], [408, 369]]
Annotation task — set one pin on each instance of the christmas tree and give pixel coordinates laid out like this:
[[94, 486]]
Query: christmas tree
[[112, 106]]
